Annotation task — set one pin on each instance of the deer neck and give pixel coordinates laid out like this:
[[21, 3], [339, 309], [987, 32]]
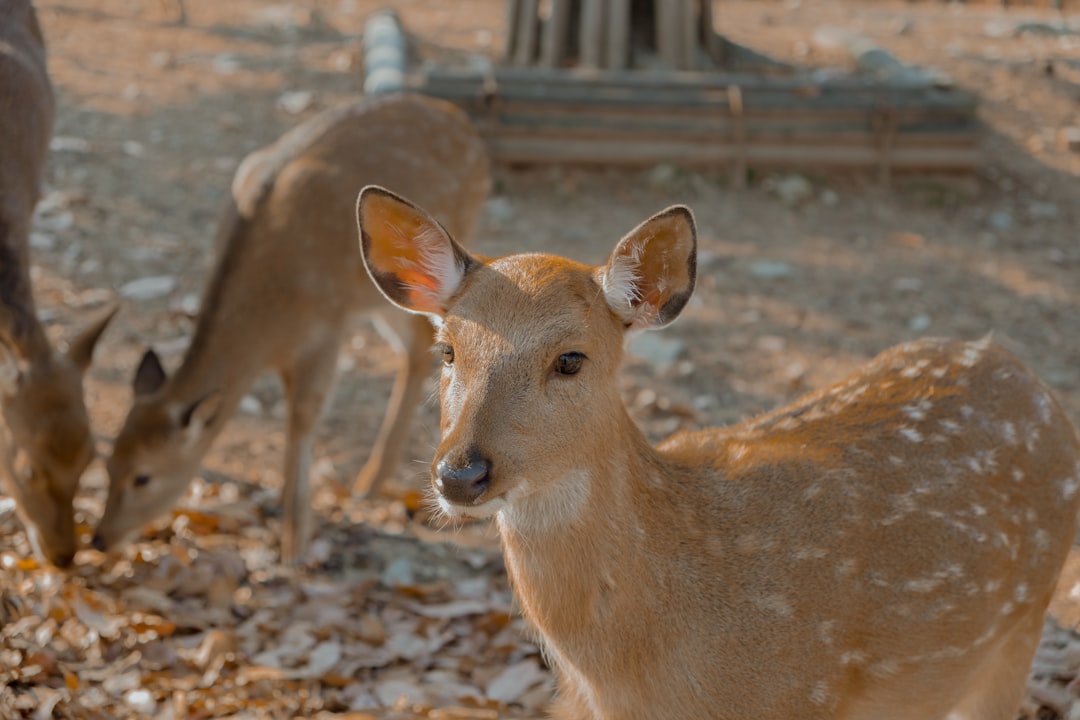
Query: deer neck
[[227, 352], [572, 547]]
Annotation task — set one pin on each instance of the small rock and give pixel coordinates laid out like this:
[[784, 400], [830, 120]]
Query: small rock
[[399, 573], [148, 288], [662, 176], [657, 350], [141, 701], [770, 269], [705, 402], [1039, 210], [500, 209], [919, 323], [1000, 220], [296, 101], [226, 64], [908, 284], [69, 144], [250, 405], [829, 198], [187, 305], [133, 148], [793, 190], [42, 241], [998, 29]]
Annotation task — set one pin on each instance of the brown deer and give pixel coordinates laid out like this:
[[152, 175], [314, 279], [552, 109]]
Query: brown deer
[[45, 440], [284, 294], [883, 548]]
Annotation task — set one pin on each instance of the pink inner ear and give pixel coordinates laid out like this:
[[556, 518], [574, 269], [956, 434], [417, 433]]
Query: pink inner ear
[[650, 266], [411, 256]]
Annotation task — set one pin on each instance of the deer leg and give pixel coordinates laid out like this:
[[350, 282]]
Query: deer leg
[[411, 337], [307, 382]]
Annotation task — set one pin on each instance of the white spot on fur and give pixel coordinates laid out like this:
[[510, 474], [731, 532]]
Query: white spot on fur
[[917, 411], [885, 668], [819, 695], [951, 426], [922, 586], [911, 434], [982, 462], [1042, 407], [810, 553], [811, 492], [1018, 474], [1069, 487], [986, 636], [1042, 540], [845, 568], [853, 657], [970, 355], [1008, 433], [826, 630], [776, 603], [1020, 593]]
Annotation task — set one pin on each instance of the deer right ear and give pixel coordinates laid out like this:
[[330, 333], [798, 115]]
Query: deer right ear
[[150, 375], [651, 273], [410, 257]]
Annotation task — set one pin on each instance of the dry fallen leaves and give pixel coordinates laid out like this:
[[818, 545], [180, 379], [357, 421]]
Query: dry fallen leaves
[[196, 620]]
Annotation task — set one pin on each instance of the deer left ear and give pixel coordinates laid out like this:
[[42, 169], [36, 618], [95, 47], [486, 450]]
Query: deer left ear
[[651, 273], [410, 257]]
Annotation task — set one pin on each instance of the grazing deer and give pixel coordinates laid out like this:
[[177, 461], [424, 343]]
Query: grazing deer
[[883, 548], [45, 440], [283, 295]]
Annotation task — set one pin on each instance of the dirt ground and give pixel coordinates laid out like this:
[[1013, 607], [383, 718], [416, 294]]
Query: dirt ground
[[196, 620]]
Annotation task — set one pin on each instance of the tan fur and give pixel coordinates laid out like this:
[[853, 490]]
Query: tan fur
[[884, 548], [45, 441], [285, 291]]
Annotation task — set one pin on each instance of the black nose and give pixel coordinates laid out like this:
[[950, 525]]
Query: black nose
[[463, 484], [98, 542]]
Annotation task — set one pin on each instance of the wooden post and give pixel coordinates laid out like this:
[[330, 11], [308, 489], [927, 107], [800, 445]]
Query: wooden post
[[553, 50], [618, 34], [525, 44], [592, 36], [688, 32], [669, 32], [513, 13]]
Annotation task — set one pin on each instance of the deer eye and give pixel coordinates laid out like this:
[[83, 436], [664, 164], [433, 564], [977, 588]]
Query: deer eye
[[447, 355], [569, 363], [141, 480]]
